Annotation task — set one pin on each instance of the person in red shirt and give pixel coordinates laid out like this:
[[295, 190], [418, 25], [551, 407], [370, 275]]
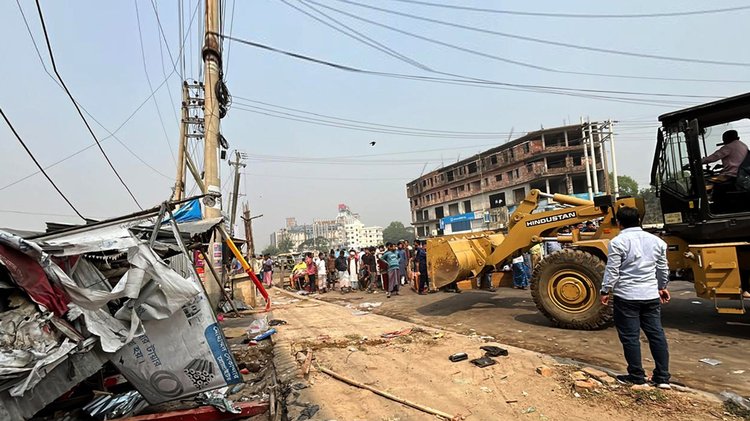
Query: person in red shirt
[[312, 272]]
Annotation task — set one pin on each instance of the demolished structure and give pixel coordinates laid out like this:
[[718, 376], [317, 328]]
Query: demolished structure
[[122, 294]]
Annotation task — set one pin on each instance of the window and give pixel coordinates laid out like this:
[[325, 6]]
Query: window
[[526, 147], [497, 200], [519, 195], [517, 173], [493, 160], [445, 193], [510, 175], [472, 167], [450, 175], [439, 212], [467, 206], [499, 177], [425, 215], [453, 209], [673, 157]]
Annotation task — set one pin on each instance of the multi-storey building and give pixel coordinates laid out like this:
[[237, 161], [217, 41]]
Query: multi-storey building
[[344, 232], [479, 192]]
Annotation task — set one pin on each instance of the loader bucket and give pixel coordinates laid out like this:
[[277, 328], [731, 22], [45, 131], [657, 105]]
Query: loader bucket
[[458, 257]]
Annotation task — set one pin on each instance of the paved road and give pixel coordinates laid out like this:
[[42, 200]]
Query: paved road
[[694, 331]]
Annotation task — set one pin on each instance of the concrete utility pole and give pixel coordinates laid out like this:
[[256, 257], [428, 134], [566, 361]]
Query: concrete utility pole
[[211, 118], [212, 72], [179, 187], [610, 125], [584, 133], [237, 163], [593, 157]]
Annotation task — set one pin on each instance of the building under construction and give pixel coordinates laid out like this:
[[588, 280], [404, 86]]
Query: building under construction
[[479, 192]]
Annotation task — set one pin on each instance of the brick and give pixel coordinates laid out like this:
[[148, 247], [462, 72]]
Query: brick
[[584, 386], [597, 374], [545, 371], [644, 386], [578, 376]]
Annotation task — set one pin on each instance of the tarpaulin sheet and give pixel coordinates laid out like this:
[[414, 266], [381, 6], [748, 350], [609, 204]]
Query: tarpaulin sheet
[[29, 275], [190, 211]]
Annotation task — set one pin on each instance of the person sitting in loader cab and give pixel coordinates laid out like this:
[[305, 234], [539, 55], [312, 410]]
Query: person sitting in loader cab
[[732, 153]]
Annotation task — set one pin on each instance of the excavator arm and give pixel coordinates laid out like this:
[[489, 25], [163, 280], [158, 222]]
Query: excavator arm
[[462, 256]]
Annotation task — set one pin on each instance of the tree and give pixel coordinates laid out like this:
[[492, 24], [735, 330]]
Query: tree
[[628, 186], [271, 250], [653, 207], [317, 243], [396, 231], [285, 245]]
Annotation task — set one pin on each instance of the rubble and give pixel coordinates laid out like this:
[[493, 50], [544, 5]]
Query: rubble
[[545, 371]]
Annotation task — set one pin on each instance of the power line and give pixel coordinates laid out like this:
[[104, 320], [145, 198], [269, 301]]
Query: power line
[[148, 80], [383, 48], [376, 124], [578, 15], [75, 104], [521, 37], [229, 48], [112, 134], [358, 36], [31, 155], [343, 123], [584, 93]]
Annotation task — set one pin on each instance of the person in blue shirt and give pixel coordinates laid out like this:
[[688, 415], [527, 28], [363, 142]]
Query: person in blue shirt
[[635, 280], [402, 261], [391, 258]]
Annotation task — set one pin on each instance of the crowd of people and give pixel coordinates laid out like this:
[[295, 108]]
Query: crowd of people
[[387, 267]]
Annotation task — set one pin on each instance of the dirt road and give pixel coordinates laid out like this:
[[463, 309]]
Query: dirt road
[[415, 367], [693, 327]]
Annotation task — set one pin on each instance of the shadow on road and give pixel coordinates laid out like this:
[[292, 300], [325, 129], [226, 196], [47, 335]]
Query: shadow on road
[[453, 303]]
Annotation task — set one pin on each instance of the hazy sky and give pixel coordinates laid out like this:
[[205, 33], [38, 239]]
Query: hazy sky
[[316, 167]]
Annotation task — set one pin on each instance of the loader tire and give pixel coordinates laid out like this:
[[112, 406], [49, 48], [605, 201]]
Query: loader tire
[[565, 288]]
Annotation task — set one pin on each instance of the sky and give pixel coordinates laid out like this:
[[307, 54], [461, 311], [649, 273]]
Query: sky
[[303, 170]]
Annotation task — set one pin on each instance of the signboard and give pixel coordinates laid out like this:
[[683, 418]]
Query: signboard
[[179, 356]]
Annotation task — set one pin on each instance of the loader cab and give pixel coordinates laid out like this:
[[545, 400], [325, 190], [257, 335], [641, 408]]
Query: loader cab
[[691, 205]]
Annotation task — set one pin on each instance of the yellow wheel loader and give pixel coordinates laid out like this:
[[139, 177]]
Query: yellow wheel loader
[[706, 226]]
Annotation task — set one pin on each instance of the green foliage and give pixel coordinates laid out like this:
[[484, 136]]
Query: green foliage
[[653, 207], [314, 244], [271, 250], [396, 231], [285, 245], [628, 186]]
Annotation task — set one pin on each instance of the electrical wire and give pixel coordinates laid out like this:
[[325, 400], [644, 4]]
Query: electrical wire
[[323, 122], [75, 104], [516, 36], [150, 86], [577, 15], [584, 93], [112, 134], [359, 36], [374, 124], [229, 47], [31, 155]]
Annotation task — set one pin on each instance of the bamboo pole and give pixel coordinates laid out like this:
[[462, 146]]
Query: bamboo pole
[[388, 395]]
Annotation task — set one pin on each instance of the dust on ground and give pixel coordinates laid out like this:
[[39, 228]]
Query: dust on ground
[[415, 366]]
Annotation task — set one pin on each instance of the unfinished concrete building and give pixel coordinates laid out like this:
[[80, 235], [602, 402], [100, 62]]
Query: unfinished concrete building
[[479, 192]]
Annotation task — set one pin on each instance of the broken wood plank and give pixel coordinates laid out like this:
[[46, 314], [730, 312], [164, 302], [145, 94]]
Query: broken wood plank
[[308, 361]]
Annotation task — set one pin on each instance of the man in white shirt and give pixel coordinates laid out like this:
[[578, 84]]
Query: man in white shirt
[[637, 275]]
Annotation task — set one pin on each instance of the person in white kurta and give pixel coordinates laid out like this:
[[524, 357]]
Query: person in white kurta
[[352, 271]]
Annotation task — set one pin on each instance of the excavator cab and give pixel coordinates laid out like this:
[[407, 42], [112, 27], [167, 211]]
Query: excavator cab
[[695, 206]]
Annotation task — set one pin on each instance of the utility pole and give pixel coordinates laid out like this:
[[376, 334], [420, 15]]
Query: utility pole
[[610, 125], [179, 187], [593, 157], [211, 117], [248, 229], [584, 133], [212, 72], [603, 157], [235, 191]]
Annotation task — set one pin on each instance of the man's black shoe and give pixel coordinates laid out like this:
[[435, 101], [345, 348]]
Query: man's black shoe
[[628, 379]]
